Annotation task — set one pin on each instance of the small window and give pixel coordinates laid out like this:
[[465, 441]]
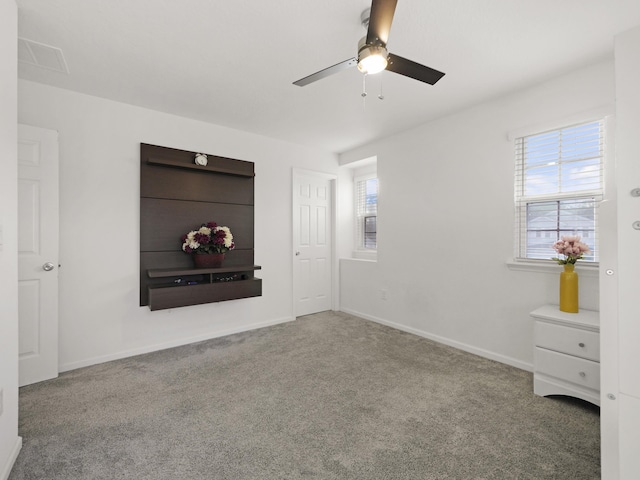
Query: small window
[[366, 189], [558, 185], [370, 232]]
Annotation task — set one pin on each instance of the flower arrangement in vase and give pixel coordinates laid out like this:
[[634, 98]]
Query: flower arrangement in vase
[[572, 249], [208, 244]]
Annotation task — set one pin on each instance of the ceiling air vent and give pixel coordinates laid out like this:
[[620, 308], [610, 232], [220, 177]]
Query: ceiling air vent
[[41, 55]]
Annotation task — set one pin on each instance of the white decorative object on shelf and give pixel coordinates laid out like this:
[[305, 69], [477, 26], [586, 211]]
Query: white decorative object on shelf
[[201, 159], [567, 353]]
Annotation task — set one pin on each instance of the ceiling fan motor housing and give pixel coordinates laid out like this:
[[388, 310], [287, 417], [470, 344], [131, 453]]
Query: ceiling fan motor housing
[[371, 58]]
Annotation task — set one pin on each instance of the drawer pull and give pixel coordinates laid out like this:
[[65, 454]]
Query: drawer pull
[[581, 345], [582, 374]]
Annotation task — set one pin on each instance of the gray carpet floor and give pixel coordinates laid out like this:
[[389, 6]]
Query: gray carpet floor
[[329, 396]]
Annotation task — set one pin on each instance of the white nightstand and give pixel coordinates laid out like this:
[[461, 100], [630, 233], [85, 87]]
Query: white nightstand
[[566, 353]]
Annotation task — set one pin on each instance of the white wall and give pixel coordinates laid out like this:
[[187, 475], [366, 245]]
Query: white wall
[[446, 223], [9, 440], [99, 223]]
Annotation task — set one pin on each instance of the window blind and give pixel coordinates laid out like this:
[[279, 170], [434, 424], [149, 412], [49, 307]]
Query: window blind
[[366, 207], [558, 184]]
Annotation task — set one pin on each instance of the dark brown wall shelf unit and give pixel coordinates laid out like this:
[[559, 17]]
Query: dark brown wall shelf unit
[[177, 196]]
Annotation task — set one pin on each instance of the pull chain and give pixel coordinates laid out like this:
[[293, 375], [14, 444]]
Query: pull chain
[[364, 91], [381, 96]]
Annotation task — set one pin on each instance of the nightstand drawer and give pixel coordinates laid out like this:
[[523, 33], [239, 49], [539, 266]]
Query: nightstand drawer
[[566, 367], [572, 341]]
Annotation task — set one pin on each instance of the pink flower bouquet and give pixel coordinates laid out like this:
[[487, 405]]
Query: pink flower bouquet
[[571, 248]]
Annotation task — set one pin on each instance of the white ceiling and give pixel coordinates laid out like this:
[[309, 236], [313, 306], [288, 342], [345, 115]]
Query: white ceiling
[[233, 62]]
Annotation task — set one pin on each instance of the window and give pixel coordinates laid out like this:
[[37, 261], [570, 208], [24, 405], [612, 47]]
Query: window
[[366, 196], [370, 232], [558, 186]]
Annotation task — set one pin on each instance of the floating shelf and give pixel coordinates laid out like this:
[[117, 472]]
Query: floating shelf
[[167, 162], [163, 297], [179, 272]]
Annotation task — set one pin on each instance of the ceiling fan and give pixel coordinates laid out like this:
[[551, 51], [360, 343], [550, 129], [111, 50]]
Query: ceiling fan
[[373, 56]]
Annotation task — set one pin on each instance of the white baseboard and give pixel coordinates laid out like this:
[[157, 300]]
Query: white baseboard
[[4, 474], [162, 346], [447, 341]]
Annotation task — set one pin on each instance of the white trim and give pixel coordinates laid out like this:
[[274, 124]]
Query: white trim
[[171, 344], [549, 266], [4, 475], [447, 341], [581, 117]]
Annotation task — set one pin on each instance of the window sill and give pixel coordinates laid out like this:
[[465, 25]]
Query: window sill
[[551, 267], [365, 255], [356, 260]]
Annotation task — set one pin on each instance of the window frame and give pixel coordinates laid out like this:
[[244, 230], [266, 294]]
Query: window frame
[[360, 251], [522, 201]]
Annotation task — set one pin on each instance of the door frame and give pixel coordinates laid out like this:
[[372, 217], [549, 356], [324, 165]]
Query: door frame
[[333, 181]]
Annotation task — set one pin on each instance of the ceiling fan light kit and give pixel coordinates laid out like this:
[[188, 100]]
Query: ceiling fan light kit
[[373, 56], [372, 59]]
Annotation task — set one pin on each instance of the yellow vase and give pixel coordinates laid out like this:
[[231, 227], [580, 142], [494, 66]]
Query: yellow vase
[[569, 289]]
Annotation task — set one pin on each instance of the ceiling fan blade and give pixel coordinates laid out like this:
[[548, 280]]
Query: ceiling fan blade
[[409, 68], [380, 20], [338, 67]]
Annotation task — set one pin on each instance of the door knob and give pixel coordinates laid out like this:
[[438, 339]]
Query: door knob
[[47, 267]]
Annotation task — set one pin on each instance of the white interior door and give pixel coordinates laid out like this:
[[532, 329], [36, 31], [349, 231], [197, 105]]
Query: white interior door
[[37, 254], [312, 243]]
